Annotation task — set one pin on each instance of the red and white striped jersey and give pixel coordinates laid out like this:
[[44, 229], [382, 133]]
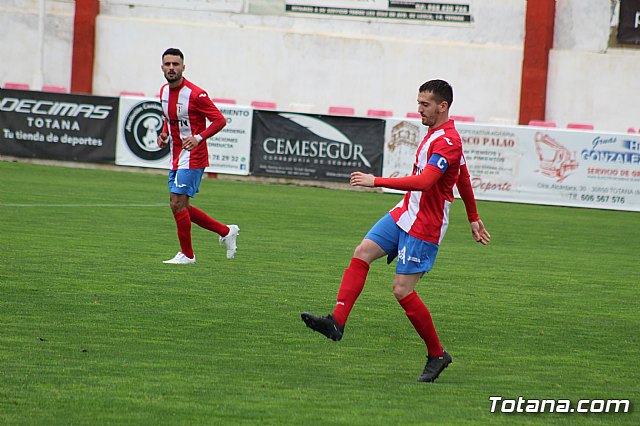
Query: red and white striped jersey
[[425, 214], [186, 109]]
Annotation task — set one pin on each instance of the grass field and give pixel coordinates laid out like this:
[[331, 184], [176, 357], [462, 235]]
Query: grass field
[[95, 329]]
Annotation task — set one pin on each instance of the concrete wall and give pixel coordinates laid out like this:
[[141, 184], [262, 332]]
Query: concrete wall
[[21, 42], [589, 82], [310, 63]]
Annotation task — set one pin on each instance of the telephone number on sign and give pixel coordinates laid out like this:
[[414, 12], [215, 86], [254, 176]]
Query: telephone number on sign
[[233, 158], [613, 199]]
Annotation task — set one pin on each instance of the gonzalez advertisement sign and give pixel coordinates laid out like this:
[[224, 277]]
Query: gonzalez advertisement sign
[[58, 126], [553, 166]]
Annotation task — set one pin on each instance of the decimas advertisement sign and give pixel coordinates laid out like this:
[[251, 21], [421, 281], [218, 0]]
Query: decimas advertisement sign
[[629, 22], [58, 126], [140, 123], [451, 11], [312, 146]]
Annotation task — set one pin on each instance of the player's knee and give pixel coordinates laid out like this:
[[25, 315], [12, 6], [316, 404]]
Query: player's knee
[[401, 291], [176, 206], [367, 251], [360, 251], [364, 252]]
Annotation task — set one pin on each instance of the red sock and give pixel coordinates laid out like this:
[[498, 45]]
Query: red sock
[[183, 223], [421, 319], [350, 288], [203, 220]]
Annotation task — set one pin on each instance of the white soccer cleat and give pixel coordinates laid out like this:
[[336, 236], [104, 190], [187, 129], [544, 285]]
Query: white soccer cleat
[[230, 241], [181, 259]]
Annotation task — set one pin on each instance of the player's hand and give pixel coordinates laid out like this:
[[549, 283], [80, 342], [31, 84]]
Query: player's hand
[[362, 179], [163, 140], [480, 233], [189, 143]]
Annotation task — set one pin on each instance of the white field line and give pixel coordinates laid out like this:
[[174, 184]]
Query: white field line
[[79, 205]]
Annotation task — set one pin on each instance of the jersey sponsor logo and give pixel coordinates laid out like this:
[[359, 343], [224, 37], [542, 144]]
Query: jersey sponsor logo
[[142, 125], [448, 141], [180, 122]]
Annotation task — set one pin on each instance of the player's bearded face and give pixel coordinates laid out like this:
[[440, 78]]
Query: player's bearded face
[[428, 108], [172, 67]]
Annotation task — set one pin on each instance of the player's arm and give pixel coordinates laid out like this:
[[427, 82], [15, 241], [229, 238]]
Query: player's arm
[[213, 114], [479, 232], [466, 193], [422, 182], [163, 137], [436, 166], [215, 117]]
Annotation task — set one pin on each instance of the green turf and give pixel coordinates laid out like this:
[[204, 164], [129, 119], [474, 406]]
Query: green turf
[[94, 329]]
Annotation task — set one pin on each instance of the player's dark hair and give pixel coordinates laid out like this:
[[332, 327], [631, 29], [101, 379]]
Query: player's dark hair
[[173, 51], [441, 90]]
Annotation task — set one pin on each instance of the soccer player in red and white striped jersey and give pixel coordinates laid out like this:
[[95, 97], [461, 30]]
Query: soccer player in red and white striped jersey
[[413, 230], [186, 109]]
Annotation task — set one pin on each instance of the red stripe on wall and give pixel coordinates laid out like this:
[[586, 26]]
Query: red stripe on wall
[[538, 40], [84, 37]]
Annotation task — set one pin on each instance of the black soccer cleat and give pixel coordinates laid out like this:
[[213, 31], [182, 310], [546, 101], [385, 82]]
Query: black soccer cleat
[[435, 365], [324, 325]]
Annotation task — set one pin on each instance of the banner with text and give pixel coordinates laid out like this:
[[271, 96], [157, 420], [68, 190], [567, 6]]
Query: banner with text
[[315, 146], [140, 122], [230, 149], [451, 11], [546, 166], [58, 126]]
